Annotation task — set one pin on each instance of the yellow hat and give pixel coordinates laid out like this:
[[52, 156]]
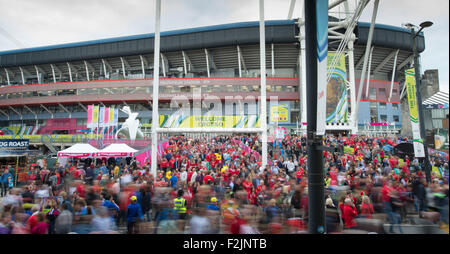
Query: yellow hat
[[213, 199], [133, 198]]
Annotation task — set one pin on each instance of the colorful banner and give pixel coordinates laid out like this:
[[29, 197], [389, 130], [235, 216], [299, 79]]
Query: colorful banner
[[279, 113], [322, 51], [337, 101], [116, 117], [419, 150], [90, 111], [101, 120], [111, 117], [178, 121], [349, 150], [106, 118], [95, 113]]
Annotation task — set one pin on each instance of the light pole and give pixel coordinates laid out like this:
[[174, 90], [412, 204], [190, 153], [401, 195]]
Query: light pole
[[414, 34]]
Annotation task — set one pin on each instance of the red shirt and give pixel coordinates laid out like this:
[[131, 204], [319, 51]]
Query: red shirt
[[367, 209], [208, 178], [349, 216]]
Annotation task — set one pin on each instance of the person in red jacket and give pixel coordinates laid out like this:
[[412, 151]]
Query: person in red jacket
[[349, 213], [366, 207]]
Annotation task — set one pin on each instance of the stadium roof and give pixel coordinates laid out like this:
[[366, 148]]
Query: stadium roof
[[241, 33], [438, 98]]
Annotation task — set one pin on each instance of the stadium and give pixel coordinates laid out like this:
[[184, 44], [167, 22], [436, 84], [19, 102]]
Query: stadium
[[45, 91]]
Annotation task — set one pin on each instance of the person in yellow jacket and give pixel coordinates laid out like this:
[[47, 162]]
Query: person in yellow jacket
[[179, 205]]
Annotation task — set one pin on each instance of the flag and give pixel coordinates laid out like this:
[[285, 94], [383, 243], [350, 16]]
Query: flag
[[90, 111], [322, 63], [95, 113], [101, 120], [106, 118]]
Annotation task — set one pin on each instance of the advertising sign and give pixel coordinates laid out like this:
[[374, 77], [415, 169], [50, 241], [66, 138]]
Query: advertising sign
[[419, 150], [178, 121], [441, 139], [337, 102], [14, 144], [279, 113], [322, 51]]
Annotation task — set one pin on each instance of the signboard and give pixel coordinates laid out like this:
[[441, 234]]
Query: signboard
[[337, 102], [279, 113], [14, 144], [178, 121], [436, 106], [322, 63], [419, 150], [349, 150]]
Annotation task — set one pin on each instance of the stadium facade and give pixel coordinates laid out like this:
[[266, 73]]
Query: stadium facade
[[46, 90]]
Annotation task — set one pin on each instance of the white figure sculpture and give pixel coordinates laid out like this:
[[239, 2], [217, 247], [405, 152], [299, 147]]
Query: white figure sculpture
[[130, 128]]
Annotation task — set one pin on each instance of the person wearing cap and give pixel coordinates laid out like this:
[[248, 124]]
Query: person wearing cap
[[134, 215], [213, 206], [179, 205]]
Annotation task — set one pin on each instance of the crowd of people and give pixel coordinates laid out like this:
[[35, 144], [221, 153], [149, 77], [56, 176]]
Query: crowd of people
[[217, 185]]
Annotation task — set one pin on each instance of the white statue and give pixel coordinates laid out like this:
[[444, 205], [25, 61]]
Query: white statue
[[130, 128]]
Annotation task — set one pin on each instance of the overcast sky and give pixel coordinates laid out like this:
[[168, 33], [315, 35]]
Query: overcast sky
[[34, 23]]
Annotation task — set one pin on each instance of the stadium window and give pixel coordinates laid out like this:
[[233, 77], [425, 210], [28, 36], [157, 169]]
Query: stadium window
[[373, 94], [396, 118], [394, 91], [382, 105], [383, 118], [395, 106], [383, 91]]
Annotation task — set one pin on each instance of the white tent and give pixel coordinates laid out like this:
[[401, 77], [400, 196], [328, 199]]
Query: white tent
[[117, 150], [79, 150]]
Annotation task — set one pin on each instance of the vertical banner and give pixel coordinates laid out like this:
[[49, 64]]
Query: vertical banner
[[106, 118], [116, 117], [280, 112], [419, 150], [111, 116], [101, 118], [90, 111], [322, 63], [337, 101], [95, 113]]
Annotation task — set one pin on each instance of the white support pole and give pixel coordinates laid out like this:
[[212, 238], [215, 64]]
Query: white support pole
[[7, 77], [37, 74], [239, 61], [207, 63], [142, 66], [53, 72], [393, 74], [123, 68], [70, 72], [87, 70], [369, 72], [262, 57], [303, 74], [184, 62], [366, 55], [23, 77], [163, 61], [291, 9], [273, 61], [104, 67], [351, 70], [155, 113]]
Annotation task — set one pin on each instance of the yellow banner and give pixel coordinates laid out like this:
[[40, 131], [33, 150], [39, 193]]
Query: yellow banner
[[411, 92], [95, 114], [279, 113], [177, 121]]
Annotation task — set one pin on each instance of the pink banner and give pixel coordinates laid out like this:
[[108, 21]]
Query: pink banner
[[75, 154], [106, 118], [89, 116], [112, 154]]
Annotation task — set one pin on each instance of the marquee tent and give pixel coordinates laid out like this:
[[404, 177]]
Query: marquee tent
[[79, 150], [117, 150]]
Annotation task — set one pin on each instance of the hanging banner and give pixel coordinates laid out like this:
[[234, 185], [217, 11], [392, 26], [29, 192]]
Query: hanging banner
[[90, 111], [116, 117], [106, 117], [322, 51], [101, 120], [337, 101], [279, 112], [95, 113], [419, 150], [111, 117]]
